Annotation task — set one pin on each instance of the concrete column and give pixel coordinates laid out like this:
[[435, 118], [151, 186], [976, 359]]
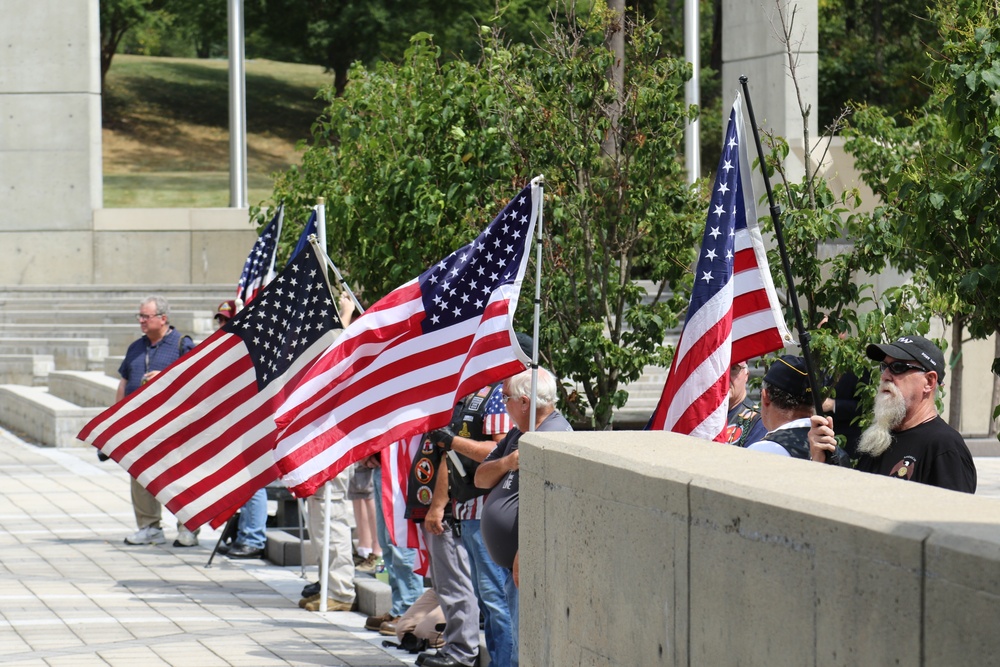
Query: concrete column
[[50, 137], [752, 46]]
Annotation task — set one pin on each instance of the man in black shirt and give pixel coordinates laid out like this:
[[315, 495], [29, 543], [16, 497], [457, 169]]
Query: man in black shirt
[[907, 438]]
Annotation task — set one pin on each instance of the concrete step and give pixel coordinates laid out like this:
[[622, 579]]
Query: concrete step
[[37, 416], [28, 369], [78, 354], [192, 322], [89, 389]]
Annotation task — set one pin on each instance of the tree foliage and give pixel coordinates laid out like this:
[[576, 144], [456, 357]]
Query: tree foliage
[[415, 157], [938, 176]]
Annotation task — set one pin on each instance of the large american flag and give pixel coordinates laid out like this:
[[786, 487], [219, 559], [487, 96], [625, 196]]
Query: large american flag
[[200, 436], [399, 369], [734, 313], [258, 269]]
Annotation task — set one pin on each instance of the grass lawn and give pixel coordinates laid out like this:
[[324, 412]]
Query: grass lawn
[[166, 128]]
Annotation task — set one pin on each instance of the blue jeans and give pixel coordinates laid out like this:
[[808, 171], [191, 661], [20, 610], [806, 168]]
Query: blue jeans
[[488, 580], [399, 562], [512, 604], [251, 529]]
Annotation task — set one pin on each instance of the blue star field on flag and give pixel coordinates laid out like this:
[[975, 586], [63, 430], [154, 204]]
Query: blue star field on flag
[[287, 316], [726, 215], [258, 262], [458, 287]]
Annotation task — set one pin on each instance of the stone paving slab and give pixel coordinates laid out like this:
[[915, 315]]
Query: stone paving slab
[[72, 593]]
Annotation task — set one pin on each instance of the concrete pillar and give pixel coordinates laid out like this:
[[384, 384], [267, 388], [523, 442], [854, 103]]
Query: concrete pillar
[[50, 137], [752, 46]]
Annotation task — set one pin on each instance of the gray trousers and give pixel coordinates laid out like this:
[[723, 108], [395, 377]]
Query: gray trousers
[[452, 581], [341, 575]]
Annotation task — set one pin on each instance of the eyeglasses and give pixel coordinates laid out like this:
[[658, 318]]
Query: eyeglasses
[[506, 398], [143, 318], [900, 367]]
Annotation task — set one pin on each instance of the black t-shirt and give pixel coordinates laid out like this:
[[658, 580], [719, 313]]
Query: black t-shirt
[[499, 521], [930, 453]]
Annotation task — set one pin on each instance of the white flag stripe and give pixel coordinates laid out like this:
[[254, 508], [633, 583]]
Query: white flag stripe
[[383, 422]]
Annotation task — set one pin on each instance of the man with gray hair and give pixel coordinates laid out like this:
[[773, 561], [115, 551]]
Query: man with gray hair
[[499, 472], [161, 345], [907, 438]]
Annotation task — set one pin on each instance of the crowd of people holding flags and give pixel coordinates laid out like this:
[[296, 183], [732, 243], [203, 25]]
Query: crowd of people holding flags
[[431, 388]]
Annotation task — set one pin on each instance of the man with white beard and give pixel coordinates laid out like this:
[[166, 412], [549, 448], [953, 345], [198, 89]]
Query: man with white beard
[[907, 438]]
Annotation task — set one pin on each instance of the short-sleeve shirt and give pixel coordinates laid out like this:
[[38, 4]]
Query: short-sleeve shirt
[[142, 357], [930, 453], [499, 522], [495, 420]]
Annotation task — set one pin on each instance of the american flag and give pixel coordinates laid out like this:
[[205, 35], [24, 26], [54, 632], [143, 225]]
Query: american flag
[[399, 369], [734, 313], [309, 229], [497, 420], [258, 270], [397, 459], [200, 436]]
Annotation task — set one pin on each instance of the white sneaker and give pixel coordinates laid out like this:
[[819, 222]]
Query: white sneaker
[[147, 535], [185, 538]]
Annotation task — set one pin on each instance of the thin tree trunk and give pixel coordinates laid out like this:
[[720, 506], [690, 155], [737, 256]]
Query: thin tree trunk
[[996, 384], [616, 75], [955, 383]]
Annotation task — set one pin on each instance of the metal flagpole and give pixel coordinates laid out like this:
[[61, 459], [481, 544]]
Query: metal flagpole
[[321, 222], [692, 90], [804, 335], [237, 108], [539, 183]]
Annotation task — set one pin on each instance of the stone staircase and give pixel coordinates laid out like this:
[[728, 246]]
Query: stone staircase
[[60, 348]]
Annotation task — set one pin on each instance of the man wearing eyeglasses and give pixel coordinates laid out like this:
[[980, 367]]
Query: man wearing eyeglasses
[[907, 438], [160, 346]]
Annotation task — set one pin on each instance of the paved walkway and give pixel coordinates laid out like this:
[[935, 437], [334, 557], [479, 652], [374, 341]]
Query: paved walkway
[[72, 593]]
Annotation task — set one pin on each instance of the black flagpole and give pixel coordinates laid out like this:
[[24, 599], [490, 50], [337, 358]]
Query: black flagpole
[[804, 335]]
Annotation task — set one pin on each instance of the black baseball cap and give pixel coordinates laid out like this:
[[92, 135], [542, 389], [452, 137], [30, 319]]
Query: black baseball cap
[[789, 374], [911, 348]]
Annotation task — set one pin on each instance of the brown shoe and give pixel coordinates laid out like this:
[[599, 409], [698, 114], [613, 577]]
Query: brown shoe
[[331, 605], [306, 600], [374, 623], [388, 628]]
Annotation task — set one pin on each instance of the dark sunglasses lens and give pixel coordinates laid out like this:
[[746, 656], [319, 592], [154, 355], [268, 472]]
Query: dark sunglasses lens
[[897, 367]]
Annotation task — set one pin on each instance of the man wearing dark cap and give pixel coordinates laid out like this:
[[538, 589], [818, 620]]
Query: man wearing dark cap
[[785, 407], [907, 438]]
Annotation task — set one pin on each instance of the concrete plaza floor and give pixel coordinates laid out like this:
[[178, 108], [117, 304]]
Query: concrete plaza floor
[[73, 594]]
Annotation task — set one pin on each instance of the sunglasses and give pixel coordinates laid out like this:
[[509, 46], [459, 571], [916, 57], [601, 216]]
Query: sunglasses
[[900, 367]]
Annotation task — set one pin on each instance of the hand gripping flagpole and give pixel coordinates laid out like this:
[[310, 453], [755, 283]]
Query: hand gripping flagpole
[[539, 183], [804, 335]]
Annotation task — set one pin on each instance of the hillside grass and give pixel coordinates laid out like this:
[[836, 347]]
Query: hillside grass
[[166, 128]]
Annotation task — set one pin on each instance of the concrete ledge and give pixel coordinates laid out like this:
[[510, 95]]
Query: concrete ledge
[[374, 597], [36, 416], [26, 369], [90, 389], [737, 553]]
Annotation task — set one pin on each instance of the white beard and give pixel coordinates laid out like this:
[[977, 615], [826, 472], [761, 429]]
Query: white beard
[[890, 410]]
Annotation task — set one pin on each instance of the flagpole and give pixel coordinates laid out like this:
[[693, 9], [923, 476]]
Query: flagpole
[[537, 182], [804, 336], [321, 222], [341, 282]]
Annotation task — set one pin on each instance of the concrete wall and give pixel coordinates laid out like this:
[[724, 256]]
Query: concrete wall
[[50, 115], [644, 548]]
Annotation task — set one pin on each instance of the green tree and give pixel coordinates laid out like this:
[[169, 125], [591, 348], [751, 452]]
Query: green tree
[[937, 173], [117, 17], [414, 158]]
